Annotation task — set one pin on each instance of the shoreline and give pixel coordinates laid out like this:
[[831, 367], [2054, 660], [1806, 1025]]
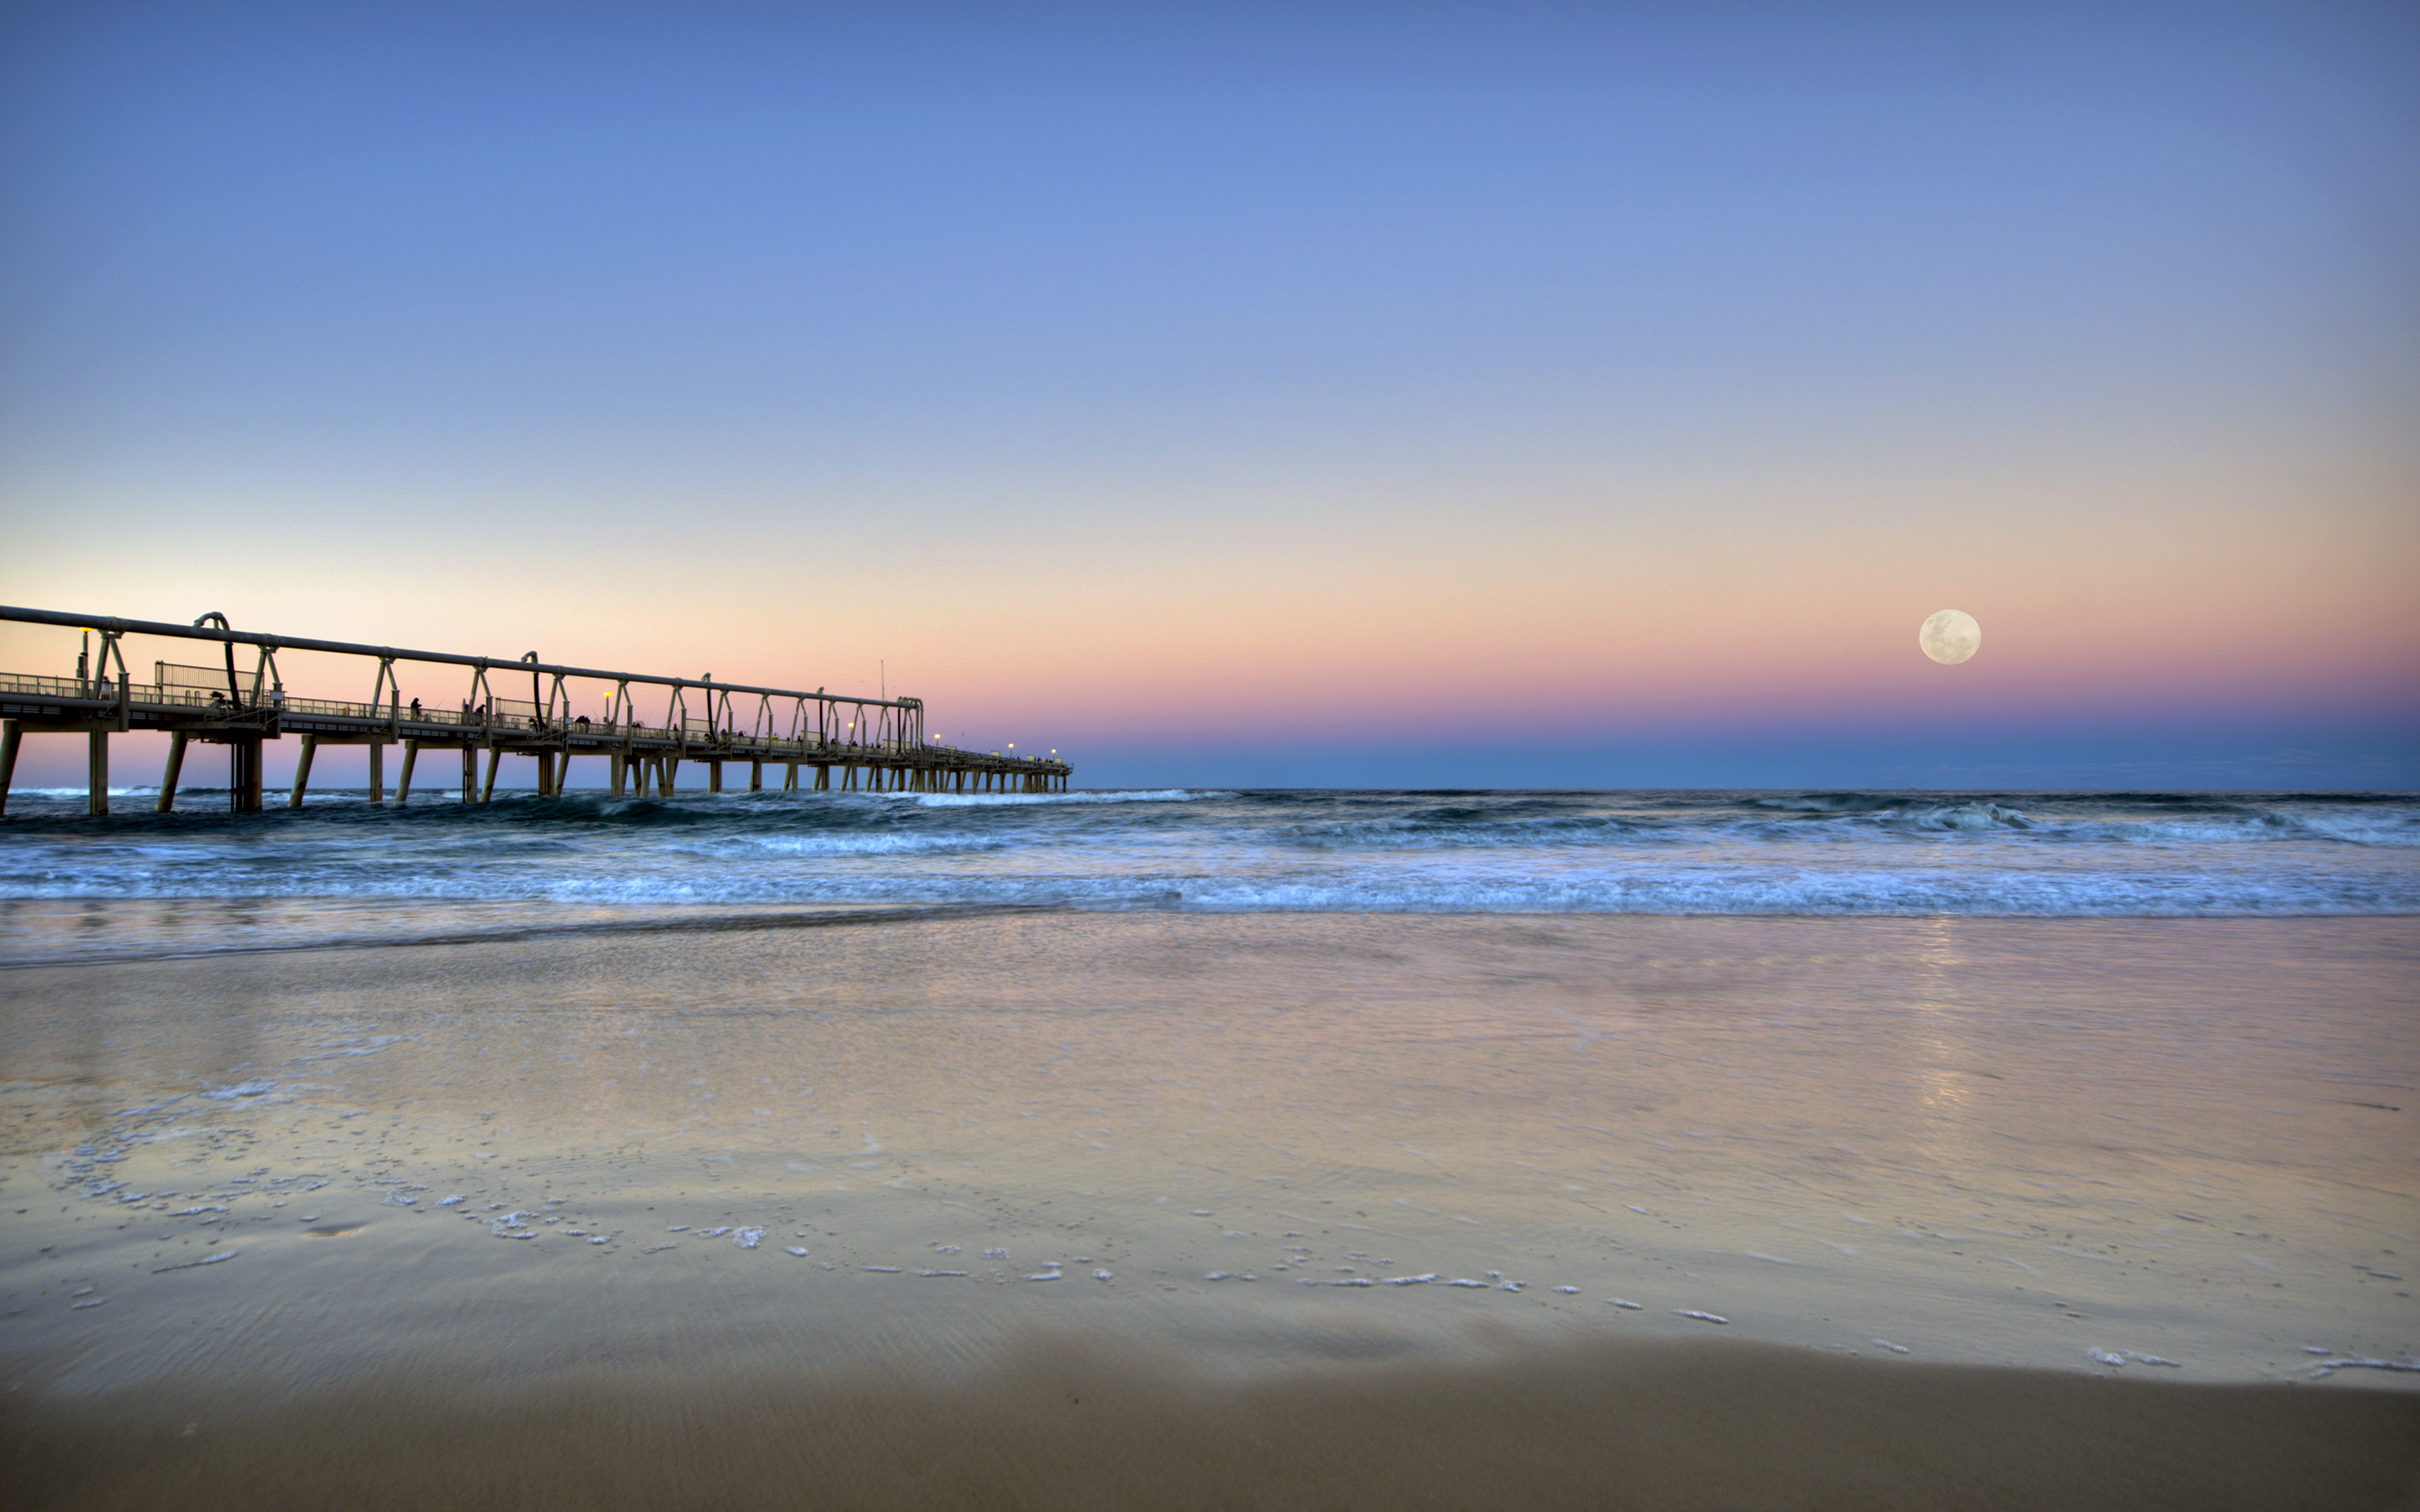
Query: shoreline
[[532, 920]]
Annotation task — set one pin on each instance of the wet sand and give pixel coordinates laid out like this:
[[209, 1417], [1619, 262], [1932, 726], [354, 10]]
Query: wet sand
[[1058, 1425], [1051, 1426], [1309, 1211]]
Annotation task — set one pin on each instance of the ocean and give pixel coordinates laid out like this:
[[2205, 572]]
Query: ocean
[[1261, 1121], [339, 869]]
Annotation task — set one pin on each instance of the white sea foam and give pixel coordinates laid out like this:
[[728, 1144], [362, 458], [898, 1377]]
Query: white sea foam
[[997, 800], [447, 870]]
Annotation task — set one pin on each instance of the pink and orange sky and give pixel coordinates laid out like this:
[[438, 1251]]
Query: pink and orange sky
[[1450, 395]]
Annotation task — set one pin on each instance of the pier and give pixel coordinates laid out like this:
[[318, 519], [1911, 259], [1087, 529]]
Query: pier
[[238, 699]]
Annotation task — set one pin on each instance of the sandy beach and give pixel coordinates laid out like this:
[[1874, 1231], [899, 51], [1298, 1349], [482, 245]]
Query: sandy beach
[[1550, 1208]]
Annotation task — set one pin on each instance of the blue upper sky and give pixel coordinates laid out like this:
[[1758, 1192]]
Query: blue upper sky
[[1248, 353]]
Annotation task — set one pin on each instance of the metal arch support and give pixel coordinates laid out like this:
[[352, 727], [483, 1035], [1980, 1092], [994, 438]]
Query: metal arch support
[[482, 701], [265, 671], [112, 651]]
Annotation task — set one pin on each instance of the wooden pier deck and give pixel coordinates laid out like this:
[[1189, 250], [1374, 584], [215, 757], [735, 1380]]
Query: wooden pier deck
[[828, 741]]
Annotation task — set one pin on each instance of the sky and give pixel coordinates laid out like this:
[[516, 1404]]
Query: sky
[[1450, 395]]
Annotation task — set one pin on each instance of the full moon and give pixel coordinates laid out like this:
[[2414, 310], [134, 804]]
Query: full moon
[[1950, 636]]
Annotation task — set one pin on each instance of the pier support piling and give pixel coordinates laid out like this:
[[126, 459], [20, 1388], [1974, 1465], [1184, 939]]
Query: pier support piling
[[403, 778], [378, 771], [714, 777], [96, 772], [302, 770], [470, 775], [8, 737], [488, 788], [243, 773], [755, 777], [166, 802]]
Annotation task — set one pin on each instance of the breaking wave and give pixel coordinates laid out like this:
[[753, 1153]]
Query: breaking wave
[[340, 867]]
